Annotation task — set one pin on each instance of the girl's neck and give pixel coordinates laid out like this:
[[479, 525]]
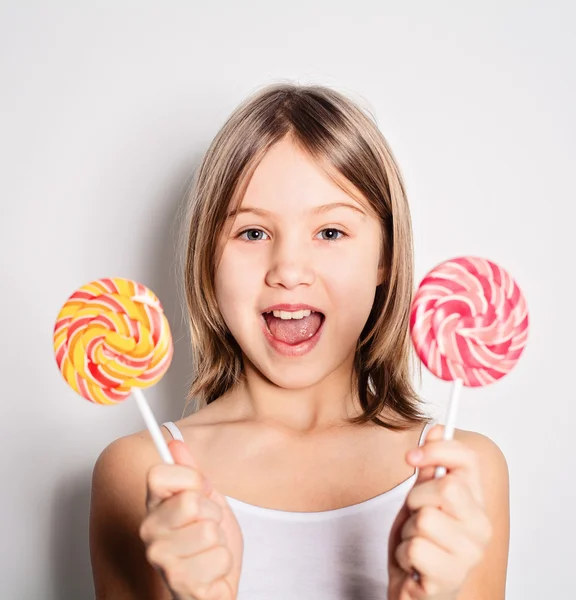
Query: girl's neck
[[325, 405]]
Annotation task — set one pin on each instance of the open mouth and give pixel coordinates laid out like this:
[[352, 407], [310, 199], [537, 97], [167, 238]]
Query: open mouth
[[293, 328]]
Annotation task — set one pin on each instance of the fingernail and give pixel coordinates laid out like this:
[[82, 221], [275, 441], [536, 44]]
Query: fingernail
[[415, 456]]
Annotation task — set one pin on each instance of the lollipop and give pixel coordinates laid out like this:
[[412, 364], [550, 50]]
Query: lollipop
[[111, 339], [469, 325]]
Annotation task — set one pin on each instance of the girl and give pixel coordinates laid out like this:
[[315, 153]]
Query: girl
[[300, 475]]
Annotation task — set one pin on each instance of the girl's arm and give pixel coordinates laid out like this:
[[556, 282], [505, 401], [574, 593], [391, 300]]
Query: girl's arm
[[487, 581], [118, 507]]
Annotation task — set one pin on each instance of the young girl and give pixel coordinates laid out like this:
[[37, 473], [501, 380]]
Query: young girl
[[300, 476]]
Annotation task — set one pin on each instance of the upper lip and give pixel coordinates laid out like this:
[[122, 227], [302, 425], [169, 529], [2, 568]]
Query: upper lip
[[292, 308]]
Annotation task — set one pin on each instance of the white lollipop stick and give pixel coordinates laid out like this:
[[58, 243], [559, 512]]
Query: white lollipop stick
[[450, 420], [152, 425]]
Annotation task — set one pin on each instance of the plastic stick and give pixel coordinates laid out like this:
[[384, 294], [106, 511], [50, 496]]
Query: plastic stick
[[450, 420], [152, 425]]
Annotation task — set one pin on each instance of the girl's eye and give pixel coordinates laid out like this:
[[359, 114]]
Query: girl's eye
[[252, 235], [257, 235], [331, 234]]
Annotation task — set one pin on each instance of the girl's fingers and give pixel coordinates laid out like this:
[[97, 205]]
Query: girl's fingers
[[425, 474], [447, 493], [459, 459], [166, 480], [441, 529], [439, 571], [192, 540], [425, 557], [435, 433], [178, 511], [422, 589], [452, 454], [209, 566], [217, 590], [182, 455], [451, 495]]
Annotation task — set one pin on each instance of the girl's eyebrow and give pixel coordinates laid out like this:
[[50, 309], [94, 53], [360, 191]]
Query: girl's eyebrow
[[316, 210]]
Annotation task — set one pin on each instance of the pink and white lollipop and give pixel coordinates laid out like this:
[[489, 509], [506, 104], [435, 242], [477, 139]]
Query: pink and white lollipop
[[469, 325]]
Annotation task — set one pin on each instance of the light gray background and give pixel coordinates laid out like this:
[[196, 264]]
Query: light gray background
[[105, 111]]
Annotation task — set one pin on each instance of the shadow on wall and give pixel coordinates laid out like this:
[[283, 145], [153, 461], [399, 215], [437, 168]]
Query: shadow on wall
[[70, 550], [70, 522], [165, 279]]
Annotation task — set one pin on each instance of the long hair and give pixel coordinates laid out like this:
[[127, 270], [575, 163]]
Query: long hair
[[346, 142]]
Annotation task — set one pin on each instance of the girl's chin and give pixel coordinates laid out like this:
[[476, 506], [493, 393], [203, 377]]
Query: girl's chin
[[294, 379], [300, 375], [295, 376]]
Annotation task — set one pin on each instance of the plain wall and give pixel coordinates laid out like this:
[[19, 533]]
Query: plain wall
[[105, 111]]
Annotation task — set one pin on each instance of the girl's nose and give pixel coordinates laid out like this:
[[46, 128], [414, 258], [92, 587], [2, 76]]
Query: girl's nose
[[290, 265]]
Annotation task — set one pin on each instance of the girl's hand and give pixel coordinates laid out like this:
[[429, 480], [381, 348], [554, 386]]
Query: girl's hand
[[443, 529], [190, 532]]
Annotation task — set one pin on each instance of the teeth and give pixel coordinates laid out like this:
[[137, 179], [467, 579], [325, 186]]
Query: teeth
[[299, 314]]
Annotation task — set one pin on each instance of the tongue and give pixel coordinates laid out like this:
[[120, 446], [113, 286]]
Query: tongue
[[293, 331]]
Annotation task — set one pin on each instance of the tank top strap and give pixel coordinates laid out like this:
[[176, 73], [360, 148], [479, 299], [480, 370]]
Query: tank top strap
[[174, 431], [425, 430]]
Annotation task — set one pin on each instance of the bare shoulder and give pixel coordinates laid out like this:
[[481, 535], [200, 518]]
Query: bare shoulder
[[492, 461], [492, 467], [117, 508], [122, 466], [476, 440], [124, 463], [121, 469]]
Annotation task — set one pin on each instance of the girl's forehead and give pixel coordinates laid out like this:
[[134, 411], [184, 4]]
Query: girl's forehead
[[290, 178]]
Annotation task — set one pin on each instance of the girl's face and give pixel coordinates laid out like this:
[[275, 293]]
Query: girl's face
[[301, 244]]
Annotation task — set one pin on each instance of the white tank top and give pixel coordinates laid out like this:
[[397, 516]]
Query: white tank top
[[339, 554]]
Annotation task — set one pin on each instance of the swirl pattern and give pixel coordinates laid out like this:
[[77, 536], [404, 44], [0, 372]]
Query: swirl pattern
[[110, 336], [469, 321]]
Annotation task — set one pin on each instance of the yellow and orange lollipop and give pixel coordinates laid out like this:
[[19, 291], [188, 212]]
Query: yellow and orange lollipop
[[111, 339]]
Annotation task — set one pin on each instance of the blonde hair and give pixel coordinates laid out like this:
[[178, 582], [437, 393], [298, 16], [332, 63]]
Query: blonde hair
[[342, 138]]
